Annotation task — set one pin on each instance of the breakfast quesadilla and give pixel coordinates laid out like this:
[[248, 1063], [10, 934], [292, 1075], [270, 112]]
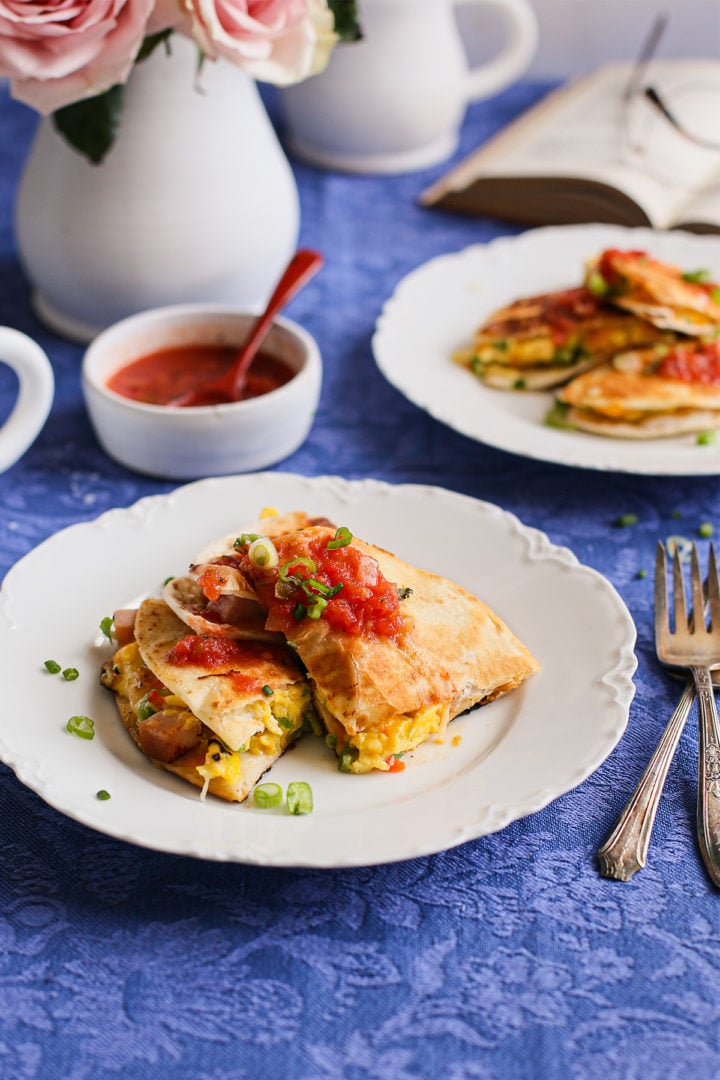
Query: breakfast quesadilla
[[539, 342], [217, 712], [662, 294], [392, 652], [648, 393]]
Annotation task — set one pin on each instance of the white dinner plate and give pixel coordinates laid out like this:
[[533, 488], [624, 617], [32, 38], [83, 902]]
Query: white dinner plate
[[515, 755], [436, 308]]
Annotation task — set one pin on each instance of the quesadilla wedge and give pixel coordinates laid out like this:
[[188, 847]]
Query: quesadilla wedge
[[540, 342], [648, 393], [216, 712], [393, 653], [662, 294]]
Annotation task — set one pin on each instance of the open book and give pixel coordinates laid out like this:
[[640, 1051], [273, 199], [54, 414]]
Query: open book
[[591, 152]]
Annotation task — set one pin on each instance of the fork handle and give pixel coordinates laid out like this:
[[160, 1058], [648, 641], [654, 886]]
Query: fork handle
[[708, 793], [625, 850]]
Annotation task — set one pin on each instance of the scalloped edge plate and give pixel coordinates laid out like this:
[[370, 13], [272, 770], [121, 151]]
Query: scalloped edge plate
[[497, 763], [436, 308]]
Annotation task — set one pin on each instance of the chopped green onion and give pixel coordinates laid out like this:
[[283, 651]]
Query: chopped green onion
[[267, 690], [404, 592], [262, 552], [70, 674], [715, 295], [285, 722], [144, 708], [331, 740], [316, 608], [102, 795], [299, 798], [698, 277], [82, 726], [346, 759], [299, 612], [300, 560], [597, 284], [501, 344], [343, 537], [706, 438], [676, 514], [266, 796], [705, 529], [246, 538], [557, 416], [169, 579], [106, 626], [520, 384], [52, 666], [626, 519], [641, 574]]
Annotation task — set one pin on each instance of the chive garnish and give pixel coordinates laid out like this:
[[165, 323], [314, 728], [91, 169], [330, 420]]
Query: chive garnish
[[705, 529], [52, 666], [299, 612], [70, 674], [106, 626], [299, 797], [102, 795], [706, 438], [82, 726], [343, 537], [266, 796], [626, 519], [267, 690], [246, 538]]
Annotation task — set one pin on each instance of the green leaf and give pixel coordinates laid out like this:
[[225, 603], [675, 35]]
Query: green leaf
[[151, 42], [90, 126], [345, 13]]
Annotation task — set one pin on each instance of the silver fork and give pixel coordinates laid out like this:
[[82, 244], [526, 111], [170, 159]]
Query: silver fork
[[697, 649], [625, 850]]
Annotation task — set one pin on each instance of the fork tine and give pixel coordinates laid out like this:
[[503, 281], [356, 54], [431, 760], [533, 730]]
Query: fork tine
[[661, 605], [698, 595], [679, 593], [713, 590]]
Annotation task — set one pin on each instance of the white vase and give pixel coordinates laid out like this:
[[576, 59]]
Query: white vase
[[196, 201]]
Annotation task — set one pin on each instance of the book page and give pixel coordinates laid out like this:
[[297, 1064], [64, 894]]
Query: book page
[[587, 131]]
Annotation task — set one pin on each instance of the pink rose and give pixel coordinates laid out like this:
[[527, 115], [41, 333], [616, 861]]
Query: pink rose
[[276, 41], [57, 53]]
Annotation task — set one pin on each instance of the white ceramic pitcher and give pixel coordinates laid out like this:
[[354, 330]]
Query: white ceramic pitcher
[[35, 394], [395, 100]]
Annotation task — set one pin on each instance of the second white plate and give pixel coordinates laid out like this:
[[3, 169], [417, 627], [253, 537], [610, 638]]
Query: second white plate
[[436, 308]]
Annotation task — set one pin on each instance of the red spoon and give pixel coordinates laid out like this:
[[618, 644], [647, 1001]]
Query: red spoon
[[229, 387]]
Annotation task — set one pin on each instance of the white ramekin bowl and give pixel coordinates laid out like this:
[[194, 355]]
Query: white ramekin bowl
[[211, 440]]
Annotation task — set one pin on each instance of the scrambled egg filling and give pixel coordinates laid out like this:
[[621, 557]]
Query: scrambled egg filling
[[284, 713], [373, 748]]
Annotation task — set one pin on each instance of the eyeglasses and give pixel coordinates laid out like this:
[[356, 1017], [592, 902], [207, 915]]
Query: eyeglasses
[[673, 128]]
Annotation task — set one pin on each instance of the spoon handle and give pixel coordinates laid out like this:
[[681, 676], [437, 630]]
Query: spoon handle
[[304, 265]]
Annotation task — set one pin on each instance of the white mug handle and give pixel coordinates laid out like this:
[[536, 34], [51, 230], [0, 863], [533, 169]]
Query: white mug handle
[[35, 394], [521, 27]]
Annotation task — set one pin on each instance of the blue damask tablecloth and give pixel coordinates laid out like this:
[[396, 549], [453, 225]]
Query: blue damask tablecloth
[[508, 957]]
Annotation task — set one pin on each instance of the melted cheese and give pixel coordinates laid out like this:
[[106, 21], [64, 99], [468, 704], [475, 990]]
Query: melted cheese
[[375, 745]]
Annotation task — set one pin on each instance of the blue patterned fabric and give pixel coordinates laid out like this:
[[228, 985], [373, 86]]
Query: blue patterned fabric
[[504, 959]]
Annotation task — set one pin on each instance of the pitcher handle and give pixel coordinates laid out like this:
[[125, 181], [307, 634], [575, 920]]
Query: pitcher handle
[[521, 28], [35, 394]]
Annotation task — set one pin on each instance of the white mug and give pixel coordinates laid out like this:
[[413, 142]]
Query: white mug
[[35, 394], [395, 100]]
